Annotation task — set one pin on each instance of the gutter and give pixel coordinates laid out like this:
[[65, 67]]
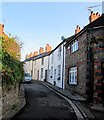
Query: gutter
[[83, 30]]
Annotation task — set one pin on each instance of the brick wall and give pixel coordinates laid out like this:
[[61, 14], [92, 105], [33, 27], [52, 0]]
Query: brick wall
[[98, 54]]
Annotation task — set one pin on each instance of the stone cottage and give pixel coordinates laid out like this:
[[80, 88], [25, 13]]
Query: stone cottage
[[84, 63]]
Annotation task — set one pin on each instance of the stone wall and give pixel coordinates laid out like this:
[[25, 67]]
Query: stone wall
[[78, 59], [12, 100], [88, 59]]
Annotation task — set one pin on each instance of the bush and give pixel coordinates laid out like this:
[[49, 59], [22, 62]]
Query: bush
[[12, 68]]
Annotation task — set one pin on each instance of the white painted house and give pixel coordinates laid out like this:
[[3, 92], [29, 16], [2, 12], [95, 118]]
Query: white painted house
[[56, 70], [40, 67], [28, 66], [37, 65]]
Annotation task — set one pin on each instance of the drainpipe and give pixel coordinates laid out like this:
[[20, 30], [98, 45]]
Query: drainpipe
[[90, 65], [63, 68], [63, 38], [48, 70], [32, 70]]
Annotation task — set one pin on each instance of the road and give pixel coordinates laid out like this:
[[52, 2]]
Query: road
[[43, 103]]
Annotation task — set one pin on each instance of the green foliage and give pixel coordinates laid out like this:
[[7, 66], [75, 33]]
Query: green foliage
[[12, 47], [12, 68]]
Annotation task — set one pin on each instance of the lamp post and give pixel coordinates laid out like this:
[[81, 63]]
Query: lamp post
[[63, 39]]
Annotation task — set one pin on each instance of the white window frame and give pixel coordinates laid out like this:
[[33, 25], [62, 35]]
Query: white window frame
[[73, 75], [74, 46], [59, 52], [42, 61], [68, 47], [52, 55], [41, 72], [59, 71], [51, 72]]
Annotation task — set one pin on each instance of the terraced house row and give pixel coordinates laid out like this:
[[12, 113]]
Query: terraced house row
[[76, 64]]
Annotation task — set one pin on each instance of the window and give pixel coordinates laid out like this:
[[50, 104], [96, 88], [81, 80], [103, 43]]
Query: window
[[42, 61], [51, 72], [74, 46], [69, 46], [59, 52], [41, 72], [73, 75], [35, 62], [52, 58], [59, 71]]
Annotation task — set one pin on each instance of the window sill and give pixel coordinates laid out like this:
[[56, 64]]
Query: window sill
[[74, 52], [74, 84]]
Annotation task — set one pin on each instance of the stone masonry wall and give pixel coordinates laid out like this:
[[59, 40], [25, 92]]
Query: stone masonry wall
[[12, 100], [89, 71], [78, 58]]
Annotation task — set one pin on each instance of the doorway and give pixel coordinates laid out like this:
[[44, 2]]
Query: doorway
[[102, 72], [54, 76], [38, 75], [45, 76]]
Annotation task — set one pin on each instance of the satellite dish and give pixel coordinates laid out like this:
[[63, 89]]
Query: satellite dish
[[62, 38]]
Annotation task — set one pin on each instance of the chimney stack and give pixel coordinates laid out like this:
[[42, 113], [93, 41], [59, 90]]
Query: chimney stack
[[78, 29], [41, 50], [31, 55], [1, 29], [93, 16], [35, 53], [48, 48], [27, 56]]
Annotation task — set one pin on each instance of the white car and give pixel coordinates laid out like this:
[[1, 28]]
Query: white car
[[27, 77]]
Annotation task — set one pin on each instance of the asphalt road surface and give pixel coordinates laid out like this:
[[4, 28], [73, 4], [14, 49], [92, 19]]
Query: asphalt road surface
[[42, 103]]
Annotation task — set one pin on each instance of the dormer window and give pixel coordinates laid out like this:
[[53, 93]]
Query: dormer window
[[52, 55], [74, 46], [59, 52], [42, 61]]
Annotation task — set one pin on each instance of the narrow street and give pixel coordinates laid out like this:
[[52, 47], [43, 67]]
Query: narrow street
[[43, 103]]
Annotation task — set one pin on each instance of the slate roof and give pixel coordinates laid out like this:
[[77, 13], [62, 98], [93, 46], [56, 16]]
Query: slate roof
[[96, 23], [37, 57]]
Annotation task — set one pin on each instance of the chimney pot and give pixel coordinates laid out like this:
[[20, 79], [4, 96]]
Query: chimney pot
[[91, 12], [1, 29], [77, 30], [93, 16], [31, 54], [35, 53], [41, 50], [47, 48]]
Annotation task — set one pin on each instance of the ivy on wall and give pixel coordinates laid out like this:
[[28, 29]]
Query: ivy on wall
[[12, 68]]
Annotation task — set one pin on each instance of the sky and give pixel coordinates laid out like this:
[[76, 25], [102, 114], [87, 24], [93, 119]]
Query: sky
[[39, 23]]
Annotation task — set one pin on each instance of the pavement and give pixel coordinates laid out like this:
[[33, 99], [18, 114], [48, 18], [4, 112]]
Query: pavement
[[66, 93], [93, 111]]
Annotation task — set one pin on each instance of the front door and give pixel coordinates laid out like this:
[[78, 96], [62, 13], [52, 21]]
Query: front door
[[38, 74], [102, 70], [45, 76], [55, 77]]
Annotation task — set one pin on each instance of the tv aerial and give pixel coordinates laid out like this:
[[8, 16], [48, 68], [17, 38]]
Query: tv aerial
[[91, 7]]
